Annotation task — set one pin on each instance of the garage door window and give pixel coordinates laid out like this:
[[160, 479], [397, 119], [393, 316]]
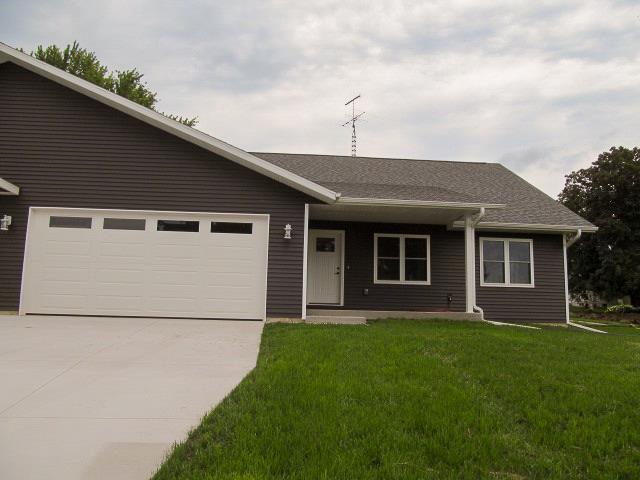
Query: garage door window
[[69, 222], [124, 224], [178, 226], [232, 227]]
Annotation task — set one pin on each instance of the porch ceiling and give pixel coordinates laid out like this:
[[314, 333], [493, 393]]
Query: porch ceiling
[[388, 214]]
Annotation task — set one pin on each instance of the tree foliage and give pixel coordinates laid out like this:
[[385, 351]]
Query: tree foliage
[[608, 195], [84, 64]]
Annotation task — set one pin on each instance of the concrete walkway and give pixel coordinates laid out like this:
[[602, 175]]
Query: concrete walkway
[[105, 398]]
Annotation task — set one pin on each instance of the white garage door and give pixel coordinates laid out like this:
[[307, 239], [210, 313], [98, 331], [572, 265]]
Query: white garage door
[[159, 264]]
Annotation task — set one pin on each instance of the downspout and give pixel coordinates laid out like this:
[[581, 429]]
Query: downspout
[[568, 241], [475, 219]]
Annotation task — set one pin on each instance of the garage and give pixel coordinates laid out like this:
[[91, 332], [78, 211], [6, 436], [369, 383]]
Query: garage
[[145, 264]]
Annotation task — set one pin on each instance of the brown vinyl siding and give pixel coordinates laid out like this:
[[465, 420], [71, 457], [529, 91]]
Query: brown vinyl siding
[[66, 150], [543, 303], [447, 269]]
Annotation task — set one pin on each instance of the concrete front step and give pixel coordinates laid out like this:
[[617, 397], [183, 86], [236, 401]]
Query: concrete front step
[[378, 314], [336, 319]]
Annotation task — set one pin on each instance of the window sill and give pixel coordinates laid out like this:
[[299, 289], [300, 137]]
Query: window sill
[[399, 282], [505, 285]]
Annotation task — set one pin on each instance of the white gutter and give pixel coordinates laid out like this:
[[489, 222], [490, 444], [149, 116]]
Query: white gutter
[[529, 227], [566, 243]]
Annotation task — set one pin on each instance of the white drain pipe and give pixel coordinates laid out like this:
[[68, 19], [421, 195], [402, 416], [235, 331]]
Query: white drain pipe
[[470, 223], [567, 242]]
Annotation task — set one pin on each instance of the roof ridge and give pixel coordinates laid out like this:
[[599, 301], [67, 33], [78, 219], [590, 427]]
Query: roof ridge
[[374, 158]]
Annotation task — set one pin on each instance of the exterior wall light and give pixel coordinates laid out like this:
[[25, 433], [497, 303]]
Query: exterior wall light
[[5, 221], [287, 231]]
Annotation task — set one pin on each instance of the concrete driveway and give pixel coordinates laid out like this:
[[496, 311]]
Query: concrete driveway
[[105, 398]]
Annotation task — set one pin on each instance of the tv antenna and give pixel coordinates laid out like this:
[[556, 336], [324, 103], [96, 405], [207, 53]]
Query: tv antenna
[[354, 119]]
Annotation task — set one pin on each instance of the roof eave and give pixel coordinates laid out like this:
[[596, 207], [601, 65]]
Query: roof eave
[[162, 122], [390, 202]]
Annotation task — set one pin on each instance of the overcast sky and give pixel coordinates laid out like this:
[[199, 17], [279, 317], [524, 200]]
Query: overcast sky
[[540, 86]]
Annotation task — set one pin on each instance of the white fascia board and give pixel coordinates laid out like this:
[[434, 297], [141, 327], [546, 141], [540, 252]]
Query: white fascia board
[[390, 202], [162, 122], [526, 227], [8, 187]]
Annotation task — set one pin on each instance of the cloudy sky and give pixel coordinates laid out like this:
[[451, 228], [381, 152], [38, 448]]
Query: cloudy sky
[[541, 86]]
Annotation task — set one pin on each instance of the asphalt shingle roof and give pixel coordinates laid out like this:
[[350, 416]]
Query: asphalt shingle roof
[[429, 180]]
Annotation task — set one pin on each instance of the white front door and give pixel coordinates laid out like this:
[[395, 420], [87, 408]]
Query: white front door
[[325, 265]]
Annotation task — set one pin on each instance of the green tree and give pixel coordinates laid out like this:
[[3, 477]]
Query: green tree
[[84, 64], [608, 195]]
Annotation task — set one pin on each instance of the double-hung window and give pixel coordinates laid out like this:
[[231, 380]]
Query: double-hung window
[[506, 262], [401, 259]]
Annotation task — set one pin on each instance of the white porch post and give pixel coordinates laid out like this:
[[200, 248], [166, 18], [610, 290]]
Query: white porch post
[[470, 261], [305, 254]]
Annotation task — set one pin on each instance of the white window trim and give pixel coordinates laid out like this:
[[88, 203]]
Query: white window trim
[[402, 259], [507, 263]]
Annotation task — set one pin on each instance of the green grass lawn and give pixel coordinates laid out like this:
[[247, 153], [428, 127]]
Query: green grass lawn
[[426, 399]]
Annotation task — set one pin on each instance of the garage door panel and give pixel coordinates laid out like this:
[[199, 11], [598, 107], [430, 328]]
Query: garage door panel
[[63, 273], [120, 304], [62, 303], [67, 247], [120, 275], [145, 272], [122, 250]]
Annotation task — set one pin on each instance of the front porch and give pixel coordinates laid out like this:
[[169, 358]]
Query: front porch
[[370, 262]]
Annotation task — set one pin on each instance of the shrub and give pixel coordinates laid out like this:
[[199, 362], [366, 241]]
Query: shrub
[[622, 308]]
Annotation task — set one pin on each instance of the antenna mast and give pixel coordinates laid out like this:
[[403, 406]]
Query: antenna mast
[[353, 120]]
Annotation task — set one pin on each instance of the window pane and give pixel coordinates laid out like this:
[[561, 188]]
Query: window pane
[[389, 247], [388, 269], [70, 222], [415, 247], [325, 244], [415, 270], [231, 227], [519, 251], [178, 226], [493, 272], [124, 224], [493, 250], [520, 272]]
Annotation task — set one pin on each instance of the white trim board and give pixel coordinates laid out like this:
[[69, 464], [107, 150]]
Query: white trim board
[[8, 187], [507, 280], [166, 124]]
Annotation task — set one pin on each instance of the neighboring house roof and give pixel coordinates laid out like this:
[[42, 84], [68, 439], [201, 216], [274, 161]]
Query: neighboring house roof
[[435, 180], [165, 123]]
